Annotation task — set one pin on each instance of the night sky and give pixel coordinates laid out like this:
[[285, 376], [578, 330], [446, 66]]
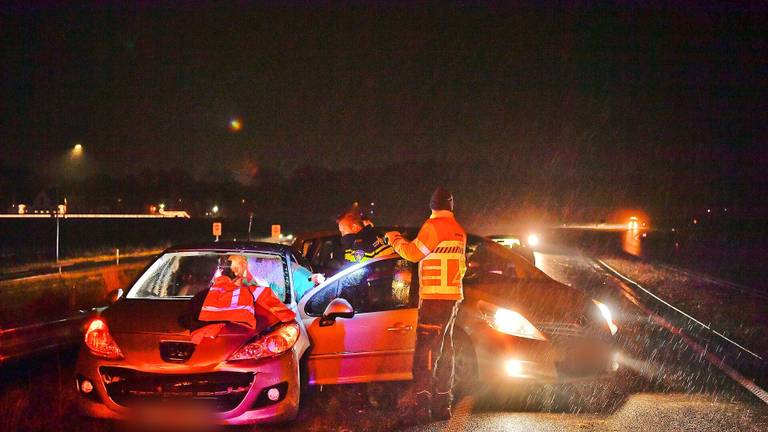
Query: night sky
[[155, 86]]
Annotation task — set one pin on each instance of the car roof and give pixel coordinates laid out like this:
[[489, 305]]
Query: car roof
[[233, 246], [408, 231], [316, 234], [330, 233]]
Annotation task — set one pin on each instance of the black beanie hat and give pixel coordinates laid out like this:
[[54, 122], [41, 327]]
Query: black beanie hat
[[441, 199]]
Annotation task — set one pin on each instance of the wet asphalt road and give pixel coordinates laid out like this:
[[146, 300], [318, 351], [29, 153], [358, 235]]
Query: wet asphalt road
[[642, 412], [662, 385]]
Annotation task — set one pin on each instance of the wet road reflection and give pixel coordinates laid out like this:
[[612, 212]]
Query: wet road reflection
[[631, 242]]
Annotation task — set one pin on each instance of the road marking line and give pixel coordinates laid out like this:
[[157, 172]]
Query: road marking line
[[616, 272], [697, 347], [653, 295]]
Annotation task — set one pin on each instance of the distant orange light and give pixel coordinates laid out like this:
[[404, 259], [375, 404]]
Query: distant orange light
[[77, 151], [235, 125], [633, 223]]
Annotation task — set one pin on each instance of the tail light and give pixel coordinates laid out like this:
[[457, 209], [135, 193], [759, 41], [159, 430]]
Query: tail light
[[100, 342], [271, 344]]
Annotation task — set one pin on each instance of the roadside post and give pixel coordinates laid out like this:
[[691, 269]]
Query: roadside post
[[217, 230], [56, 216], [250, 222]]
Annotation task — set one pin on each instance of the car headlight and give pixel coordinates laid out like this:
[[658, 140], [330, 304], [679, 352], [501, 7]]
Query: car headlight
[[533, 240], [607, 316], [271, 344], [100, 342], [508, 321]]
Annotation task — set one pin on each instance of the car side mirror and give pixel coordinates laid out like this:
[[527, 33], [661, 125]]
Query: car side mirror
[[337, 308], [114, 296]]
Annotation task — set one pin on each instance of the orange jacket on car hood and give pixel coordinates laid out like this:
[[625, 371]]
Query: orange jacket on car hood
[[241, 301]]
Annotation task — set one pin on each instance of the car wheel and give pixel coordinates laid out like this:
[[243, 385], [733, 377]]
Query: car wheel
[[465, 373]]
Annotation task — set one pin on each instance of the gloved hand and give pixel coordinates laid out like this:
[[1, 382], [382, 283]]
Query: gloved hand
[[391, 236]]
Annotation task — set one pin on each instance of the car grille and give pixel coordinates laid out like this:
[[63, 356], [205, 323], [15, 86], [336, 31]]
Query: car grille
[[222, 391], [553, 329]]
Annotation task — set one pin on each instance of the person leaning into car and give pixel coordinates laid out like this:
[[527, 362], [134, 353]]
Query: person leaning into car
[[439, 249], [359, 241]]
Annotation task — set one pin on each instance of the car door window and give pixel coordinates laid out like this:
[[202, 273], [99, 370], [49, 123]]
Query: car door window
[[379, 286], [305, 248], [326, 253], [317, 304]]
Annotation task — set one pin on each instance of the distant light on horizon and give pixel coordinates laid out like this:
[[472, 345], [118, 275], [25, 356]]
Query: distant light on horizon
[[633, 223], [77, 150], [235, 125]]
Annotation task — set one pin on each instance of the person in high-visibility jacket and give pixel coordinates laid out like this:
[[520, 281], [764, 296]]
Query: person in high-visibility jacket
[[237, 297], [439, 249]]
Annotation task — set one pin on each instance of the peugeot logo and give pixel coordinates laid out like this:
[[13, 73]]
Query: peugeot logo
[[176, 352]]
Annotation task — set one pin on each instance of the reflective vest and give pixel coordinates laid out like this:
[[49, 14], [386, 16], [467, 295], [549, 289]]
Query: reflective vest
[[439, 249], [239, 302]]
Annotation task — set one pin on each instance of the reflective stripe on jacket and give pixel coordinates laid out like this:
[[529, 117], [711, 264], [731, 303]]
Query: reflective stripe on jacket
[[360, 255], [439, 249], [240, 301], [363, 246]]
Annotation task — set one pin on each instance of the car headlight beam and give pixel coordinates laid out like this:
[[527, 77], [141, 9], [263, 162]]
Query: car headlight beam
[[607, 316], [509, 322]]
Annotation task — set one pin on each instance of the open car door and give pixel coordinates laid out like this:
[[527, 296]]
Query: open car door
[[377, 343]]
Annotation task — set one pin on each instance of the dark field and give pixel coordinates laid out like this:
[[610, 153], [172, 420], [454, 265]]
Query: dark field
[[732, 251], [26, 241]]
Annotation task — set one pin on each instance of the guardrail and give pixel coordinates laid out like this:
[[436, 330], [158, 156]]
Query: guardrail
[[69, 300], [21, 342]]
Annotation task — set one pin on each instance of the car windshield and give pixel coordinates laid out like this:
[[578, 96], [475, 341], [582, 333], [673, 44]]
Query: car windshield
[[183, 274], [507, 241], [489, 261]]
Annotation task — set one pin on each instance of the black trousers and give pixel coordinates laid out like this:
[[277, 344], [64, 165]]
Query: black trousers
[[433, 360]]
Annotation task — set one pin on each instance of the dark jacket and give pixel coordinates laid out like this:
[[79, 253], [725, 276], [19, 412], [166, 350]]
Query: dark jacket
[[363, 245]]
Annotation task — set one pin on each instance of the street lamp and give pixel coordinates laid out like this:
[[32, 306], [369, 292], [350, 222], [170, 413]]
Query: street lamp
[[77, 150], [215, 209]]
